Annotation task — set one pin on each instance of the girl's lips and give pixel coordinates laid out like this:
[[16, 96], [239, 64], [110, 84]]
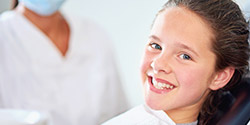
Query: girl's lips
[[157, 90]]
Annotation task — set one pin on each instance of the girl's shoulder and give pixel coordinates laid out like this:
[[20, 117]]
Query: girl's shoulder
[[130, 117], [139, 115]]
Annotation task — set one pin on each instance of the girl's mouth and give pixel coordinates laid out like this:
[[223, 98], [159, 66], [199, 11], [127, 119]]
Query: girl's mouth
[[160, 86]]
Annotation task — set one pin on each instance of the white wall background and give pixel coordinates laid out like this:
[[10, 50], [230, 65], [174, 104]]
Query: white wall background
[[128, 24], [4, 5]]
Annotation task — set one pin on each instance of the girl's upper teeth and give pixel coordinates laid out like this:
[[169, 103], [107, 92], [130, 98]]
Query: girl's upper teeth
[[160, 85]]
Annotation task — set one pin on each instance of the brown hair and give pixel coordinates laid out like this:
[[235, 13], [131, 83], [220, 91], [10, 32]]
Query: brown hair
[[230, 43]]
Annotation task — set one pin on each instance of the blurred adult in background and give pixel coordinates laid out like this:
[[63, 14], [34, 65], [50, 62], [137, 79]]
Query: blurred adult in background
[[56, 63]]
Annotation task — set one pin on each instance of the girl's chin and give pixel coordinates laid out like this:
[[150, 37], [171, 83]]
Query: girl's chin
[[154, 105]]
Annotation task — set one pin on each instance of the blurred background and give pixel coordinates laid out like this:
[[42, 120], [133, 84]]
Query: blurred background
[[128, 24]]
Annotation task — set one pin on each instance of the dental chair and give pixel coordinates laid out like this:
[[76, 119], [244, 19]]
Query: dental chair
[[235, 106]]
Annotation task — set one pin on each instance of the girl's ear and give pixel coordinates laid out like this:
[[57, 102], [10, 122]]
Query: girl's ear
[[222, 78]]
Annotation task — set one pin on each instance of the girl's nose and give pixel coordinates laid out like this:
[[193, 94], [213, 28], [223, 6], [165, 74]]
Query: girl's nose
[[160, 65]]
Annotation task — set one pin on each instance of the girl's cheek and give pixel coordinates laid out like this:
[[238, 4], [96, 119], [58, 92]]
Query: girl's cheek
[[147, 59], [145, 64], [191, 77]]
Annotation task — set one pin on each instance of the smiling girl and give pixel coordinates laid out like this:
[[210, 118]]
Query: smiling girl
[[196, 49]]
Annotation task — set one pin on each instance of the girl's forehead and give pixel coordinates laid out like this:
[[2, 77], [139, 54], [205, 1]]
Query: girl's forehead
[[184, 15], [183, 23], [178, 24]]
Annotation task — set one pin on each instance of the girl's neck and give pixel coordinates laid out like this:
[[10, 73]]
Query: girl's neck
[[185, 115]]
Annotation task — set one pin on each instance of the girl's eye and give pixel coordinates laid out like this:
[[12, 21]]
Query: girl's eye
[[185, 57], [155, 46]]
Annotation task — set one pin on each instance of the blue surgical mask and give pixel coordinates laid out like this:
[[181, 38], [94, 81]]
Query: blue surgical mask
[[43, 7]]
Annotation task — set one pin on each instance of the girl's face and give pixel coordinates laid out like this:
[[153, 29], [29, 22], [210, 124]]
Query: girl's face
[[178, 63]]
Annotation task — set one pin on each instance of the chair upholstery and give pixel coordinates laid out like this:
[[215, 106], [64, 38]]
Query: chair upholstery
[[235, 107]]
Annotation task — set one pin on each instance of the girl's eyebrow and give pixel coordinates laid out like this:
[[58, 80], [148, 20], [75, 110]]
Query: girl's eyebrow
[[177, 44], [155, 38], [183, 46]]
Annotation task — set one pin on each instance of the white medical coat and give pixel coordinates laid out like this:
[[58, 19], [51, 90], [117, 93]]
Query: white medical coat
[[81, 88]]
